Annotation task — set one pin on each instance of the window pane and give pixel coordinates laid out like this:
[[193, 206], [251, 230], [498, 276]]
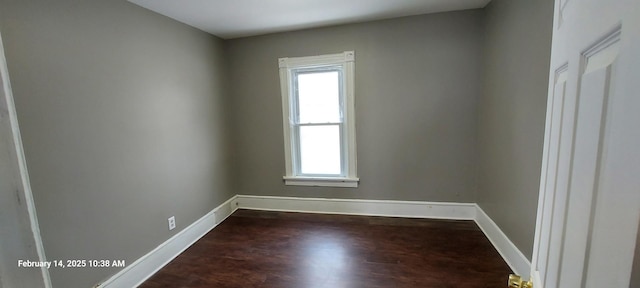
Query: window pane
[[320, 150], [319, 97]]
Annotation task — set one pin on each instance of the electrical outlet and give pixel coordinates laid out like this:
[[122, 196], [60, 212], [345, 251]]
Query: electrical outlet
[[172, 222]]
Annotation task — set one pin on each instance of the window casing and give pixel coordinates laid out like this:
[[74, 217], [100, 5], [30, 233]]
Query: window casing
[[318, 120]]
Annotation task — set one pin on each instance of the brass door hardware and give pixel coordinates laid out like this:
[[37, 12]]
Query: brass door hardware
[[516, 281]]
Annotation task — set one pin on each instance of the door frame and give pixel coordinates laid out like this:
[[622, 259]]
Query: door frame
[[6, 95]]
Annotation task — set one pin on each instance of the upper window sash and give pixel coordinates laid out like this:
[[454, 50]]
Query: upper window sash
[[295, 106]]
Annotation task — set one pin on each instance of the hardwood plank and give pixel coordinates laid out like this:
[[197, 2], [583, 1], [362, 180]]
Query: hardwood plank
[[299, 250]]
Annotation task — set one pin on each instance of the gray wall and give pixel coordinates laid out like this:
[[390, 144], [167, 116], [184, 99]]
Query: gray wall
[[512, 114], [417, 84], [123, 119]]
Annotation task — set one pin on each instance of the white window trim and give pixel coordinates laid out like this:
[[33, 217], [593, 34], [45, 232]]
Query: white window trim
[[286, 65]]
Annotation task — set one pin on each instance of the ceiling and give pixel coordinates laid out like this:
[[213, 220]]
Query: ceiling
[[239, 18]]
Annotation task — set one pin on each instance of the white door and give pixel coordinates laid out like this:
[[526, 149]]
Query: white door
[[589, 205]]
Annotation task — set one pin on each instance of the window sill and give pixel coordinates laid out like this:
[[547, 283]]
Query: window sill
[[321, 181]]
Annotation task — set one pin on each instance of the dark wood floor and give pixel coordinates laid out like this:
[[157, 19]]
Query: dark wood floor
[[277, 249]]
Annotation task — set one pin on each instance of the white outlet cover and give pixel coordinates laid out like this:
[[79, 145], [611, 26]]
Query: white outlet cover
[[172, 222]]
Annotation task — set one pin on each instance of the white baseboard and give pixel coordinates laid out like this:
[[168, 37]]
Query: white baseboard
[[143, 268], [509, 252], [411, 209]]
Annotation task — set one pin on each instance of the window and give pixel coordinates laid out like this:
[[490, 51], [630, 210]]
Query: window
[[318, 120]]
